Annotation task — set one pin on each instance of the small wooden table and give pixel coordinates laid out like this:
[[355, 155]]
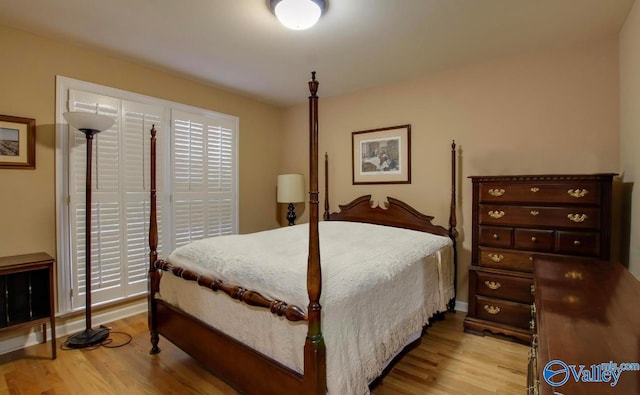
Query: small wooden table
[[587, 313], [26, 294]]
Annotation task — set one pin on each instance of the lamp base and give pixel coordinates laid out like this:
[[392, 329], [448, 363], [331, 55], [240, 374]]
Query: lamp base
[[291, 214], [88, 338]]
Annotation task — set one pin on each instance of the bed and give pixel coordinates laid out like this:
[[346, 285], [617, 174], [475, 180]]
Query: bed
[[254, 317]]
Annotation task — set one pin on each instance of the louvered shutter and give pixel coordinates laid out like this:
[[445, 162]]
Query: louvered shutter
[[106, 243], [138, 119], [203, 176]]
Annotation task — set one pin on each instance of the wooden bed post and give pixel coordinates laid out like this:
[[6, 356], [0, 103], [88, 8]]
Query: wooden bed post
[[154, 275], [325, 216], [453, 232], [315, 365]]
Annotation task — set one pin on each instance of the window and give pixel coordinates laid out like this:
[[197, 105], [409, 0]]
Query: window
[[197, 188]]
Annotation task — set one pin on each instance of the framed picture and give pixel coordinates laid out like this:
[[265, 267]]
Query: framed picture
[[382, 156], [17, 142]]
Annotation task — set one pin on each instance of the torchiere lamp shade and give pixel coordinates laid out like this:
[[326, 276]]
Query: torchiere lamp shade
[[88, 121]]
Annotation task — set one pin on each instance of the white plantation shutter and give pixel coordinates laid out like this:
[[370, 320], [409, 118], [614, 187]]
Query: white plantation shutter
[[106, 244], [120, 199], [203, 176], [138, 119], [196, 189]]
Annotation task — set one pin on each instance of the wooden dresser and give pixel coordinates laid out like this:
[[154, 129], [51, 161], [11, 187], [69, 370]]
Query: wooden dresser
[[517, 217], [587, 315]]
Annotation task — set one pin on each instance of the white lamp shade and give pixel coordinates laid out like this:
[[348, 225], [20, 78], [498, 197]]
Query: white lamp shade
[[290, 188], [298, 14], [87, 120]]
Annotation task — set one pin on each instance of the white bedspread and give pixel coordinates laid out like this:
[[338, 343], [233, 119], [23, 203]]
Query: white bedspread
[[379, 285]]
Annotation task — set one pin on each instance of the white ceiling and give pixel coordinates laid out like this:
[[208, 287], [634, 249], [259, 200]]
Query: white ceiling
[[239, 45]]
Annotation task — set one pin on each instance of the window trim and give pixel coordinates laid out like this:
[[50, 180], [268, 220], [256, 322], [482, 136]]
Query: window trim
[[63, 242]]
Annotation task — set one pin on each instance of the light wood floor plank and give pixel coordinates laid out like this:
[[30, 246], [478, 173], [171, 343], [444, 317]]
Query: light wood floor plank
[[447, 361]]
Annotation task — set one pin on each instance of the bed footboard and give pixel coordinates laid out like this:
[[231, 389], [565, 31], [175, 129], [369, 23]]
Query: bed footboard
[[243, 368]]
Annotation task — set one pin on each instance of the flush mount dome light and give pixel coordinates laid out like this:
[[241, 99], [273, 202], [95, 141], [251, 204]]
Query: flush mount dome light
[[298, 14]]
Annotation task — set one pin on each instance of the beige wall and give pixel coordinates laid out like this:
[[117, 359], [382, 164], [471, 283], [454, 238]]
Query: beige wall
[[28, 69], [630, 129], [548, 112]]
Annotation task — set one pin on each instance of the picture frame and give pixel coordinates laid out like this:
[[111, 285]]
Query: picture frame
[[381, 156], [17, 142]]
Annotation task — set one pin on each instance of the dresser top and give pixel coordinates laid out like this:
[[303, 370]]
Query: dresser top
[[17, 260], [545, 177]]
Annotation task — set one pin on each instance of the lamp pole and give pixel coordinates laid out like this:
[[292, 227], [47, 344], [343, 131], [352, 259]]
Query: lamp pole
[[90, 125]]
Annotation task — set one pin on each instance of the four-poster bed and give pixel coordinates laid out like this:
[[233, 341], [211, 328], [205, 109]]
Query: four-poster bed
[[375, 299]]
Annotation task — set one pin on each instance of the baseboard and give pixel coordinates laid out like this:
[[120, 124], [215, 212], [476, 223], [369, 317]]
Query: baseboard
[[462, 306], [64, 328]]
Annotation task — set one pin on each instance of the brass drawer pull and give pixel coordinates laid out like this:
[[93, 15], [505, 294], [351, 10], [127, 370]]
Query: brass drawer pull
[[496, 214], [495, 236], [492, 309], [533, 289], [577, 217], [496, 257], [496, 192], [573, 275], [577, 193], [577, 243], [532, 325], [492, 284], [533, 310], [534, 212], [534, 189], [533, 239]]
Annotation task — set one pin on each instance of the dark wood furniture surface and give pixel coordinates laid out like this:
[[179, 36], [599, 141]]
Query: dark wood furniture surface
[[517, 217], [26, 294], [242, 367], [586, 313]]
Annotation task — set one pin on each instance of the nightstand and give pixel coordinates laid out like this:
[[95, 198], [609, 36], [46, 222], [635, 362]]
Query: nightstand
[[26, 294]]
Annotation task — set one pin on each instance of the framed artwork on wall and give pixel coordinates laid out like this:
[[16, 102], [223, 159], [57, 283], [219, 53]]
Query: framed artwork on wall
[[382, 156], [17, 142]]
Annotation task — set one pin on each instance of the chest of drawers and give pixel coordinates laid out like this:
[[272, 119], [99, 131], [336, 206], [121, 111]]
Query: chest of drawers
[[517, 217]]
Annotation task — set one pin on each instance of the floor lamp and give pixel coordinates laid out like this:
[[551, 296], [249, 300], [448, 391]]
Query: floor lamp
[[89, 124]]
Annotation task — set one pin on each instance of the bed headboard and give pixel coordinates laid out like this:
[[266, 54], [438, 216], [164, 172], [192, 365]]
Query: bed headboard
[[395, 213]]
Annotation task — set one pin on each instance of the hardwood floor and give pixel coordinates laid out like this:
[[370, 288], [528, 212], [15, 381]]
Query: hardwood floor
[[448, 361]]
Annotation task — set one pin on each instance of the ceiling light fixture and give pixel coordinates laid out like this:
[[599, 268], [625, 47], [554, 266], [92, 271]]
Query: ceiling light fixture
[[298, 14]]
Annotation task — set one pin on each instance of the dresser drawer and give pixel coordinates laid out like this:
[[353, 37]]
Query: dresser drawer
[[534, 240], [564, 217], [580, 192], [503, 311], [496, 236], [499, 286], [578, 243], [506, 259]]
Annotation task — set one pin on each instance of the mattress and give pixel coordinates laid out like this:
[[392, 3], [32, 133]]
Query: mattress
[[380, 285]]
